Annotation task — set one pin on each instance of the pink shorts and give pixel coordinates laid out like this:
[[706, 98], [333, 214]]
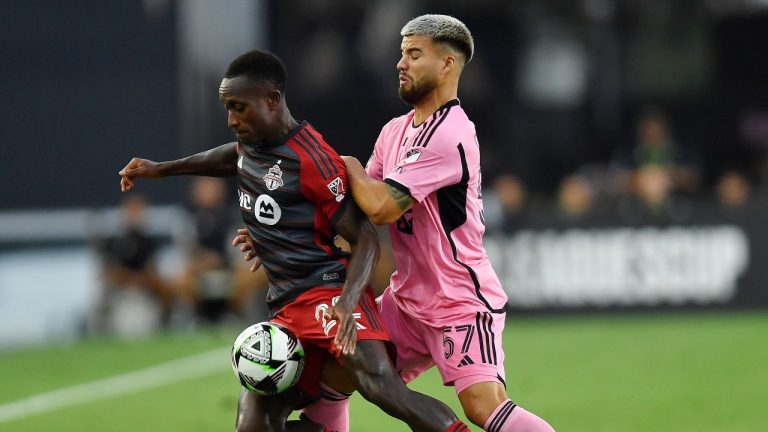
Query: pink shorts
[[467, 352]]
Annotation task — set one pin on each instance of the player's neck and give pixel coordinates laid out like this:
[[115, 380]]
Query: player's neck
[[432, 102], [285, 124]]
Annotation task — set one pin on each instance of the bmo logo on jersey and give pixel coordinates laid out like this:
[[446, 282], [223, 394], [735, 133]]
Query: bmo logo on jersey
[[266, 210], [265, 207]]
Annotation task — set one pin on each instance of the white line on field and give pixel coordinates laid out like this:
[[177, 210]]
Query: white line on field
[[186, 368]]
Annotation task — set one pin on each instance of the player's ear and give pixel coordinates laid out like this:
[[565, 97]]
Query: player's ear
[[273, 98], [449, 63]]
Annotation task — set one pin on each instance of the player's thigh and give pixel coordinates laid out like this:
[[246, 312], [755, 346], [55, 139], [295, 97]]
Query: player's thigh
[[407, 334], [334, 376], [470, 351]]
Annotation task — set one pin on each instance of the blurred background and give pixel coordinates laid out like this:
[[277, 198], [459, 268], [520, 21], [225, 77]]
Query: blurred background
[[624, 148]]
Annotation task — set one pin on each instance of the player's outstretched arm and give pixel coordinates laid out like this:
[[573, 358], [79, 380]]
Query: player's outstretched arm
[[216, 162], [364, 242], [382, 202]]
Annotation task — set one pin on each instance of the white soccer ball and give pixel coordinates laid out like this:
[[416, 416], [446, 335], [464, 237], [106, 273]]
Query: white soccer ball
[[267, 358]]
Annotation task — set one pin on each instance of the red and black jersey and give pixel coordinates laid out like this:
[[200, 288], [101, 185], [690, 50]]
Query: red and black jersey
[[292, 191]]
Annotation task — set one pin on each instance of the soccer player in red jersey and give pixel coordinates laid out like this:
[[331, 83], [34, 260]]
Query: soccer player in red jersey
[[293, 199]]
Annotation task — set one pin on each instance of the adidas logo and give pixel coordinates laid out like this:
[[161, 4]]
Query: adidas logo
[[467, 360]]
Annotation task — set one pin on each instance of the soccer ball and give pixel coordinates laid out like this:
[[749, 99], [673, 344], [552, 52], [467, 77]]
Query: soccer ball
[[267, 358]]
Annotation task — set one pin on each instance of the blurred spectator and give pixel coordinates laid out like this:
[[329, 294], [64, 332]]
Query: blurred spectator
[[733, 190], [656, 148], [575, 198], [505, 207], [656, 174], [652, 184], [249, 290], [206, 284], [652, 199], [135, 300]]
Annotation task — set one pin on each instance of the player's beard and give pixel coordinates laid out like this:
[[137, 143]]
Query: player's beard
[[418, 90]]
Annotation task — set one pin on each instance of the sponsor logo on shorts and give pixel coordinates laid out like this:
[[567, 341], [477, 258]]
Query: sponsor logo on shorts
[[467, 360]]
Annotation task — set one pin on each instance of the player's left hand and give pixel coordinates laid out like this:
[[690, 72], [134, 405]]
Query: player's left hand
[[244, 240], [346, 335]]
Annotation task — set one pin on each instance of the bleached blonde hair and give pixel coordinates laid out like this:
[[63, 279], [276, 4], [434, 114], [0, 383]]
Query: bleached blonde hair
[[443, 29]]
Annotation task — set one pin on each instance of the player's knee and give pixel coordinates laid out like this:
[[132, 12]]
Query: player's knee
[[369, 375], [370, 385], [375, 377], [479, 402], [379, 388], [477, 414]]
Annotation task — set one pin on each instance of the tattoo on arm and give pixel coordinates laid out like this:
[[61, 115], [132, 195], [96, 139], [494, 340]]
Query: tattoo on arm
[[402, 199]]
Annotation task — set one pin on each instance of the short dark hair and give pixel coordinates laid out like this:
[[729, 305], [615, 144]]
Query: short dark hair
[[443, 29], [259, 65]]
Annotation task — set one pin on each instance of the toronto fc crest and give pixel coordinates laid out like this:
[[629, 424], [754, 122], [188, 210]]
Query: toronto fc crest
[[274, 178]]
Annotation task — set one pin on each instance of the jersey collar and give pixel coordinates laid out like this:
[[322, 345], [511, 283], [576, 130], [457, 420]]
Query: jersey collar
[[447, 105]]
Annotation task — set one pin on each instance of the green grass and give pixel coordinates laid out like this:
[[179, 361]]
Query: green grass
[[688, 372]]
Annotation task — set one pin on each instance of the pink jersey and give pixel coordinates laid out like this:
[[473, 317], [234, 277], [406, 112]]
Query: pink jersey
[[442, 267]]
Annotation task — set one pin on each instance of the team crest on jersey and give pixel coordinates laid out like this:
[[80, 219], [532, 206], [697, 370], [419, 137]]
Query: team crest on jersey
[[274, 178], [337, 188], [412, 155]]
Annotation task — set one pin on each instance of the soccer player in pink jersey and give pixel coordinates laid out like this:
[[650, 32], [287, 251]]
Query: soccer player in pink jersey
[[445, 305]]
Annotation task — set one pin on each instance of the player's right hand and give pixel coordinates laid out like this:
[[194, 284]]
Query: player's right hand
[[346, 335], [137, 168], [244, 240]]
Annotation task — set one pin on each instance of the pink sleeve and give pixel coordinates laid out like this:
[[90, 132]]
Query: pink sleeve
[[427, 169], [375, 165]]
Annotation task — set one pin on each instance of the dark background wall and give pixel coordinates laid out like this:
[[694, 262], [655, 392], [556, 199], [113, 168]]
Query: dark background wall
[[86, 85]]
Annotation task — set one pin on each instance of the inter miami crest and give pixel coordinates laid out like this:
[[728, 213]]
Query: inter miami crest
[[274, 178]]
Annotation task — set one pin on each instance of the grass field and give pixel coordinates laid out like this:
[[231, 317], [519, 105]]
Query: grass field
[[688, 372]]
